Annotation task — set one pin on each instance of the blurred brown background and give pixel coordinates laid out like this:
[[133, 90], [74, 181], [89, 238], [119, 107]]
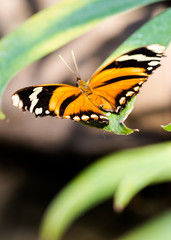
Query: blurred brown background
[[39, 156]]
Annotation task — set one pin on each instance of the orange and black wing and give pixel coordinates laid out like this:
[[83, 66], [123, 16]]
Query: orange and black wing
[[120, 80], [60, 100]]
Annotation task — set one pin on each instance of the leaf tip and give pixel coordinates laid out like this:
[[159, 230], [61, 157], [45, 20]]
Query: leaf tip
[[167, 127], [2, 116], [117, 208]]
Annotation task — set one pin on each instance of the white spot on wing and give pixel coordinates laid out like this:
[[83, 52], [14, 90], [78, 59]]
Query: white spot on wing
[[149, 68], [33, 97], [137, 57], [15, 100], [76, 118], [136, 89], [103, 117], [118, 108], [122, 100], [129, 93], [157, 48], [47, 111], [85, 117], [140, 83], [153, 63], [94, 116], [20, 105], [38, 111], [67, 117]]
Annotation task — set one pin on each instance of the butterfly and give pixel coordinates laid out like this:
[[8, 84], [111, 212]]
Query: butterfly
[[108, 90]]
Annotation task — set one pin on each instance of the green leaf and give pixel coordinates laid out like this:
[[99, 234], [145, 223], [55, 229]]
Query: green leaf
[[116, 121], [167, 127], [152, 166], [154, 31], [52, 28], [139, 167], [155, 229]]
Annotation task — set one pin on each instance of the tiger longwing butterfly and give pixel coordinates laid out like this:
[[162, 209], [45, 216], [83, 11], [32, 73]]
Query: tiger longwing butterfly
[[108, 90]]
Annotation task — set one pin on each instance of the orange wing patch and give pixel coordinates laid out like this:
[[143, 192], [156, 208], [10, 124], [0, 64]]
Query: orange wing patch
[[81, 109]]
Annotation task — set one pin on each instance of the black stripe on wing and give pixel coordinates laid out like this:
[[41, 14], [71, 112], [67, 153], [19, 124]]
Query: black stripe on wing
[[139, 64], [34, 99], [118, 79], [66, 102], [145, 57]]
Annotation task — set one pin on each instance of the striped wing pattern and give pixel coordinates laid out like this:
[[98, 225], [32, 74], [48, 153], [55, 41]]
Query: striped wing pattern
[[60, 100], [110, 89], [121, 79]]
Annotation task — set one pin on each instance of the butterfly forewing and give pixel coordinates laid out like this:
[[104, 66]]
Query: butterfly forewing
[[121, 79], [36, 99], [58, 100]]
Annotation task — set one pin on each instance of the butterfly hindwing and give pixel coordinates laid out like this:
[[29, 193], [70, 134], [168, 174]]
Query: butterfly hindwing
[[121, 79], [60, 100], [81, 109]]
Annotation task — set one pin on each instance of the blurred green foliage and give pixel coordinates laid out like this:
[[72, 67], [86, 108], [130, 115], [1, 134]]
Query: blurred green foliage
[[123, 174]]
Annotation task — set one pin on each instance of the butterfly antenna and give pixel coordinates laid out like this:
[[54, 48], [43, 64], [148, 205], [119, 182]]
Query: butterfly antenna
[[75, 63], [68, 66]]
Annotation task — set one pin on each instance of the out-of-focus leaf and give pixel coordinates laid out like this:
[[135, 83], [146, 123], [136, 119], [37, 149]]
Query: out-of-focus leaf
[[154, 31], [167, 127], [52, 28], [152, 166], [155, 229], [116, 122], [123, 174]]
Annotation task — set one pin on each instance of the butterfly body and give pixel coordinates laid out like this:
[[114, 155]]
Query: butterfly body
[[84, 87], [109, 89]]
